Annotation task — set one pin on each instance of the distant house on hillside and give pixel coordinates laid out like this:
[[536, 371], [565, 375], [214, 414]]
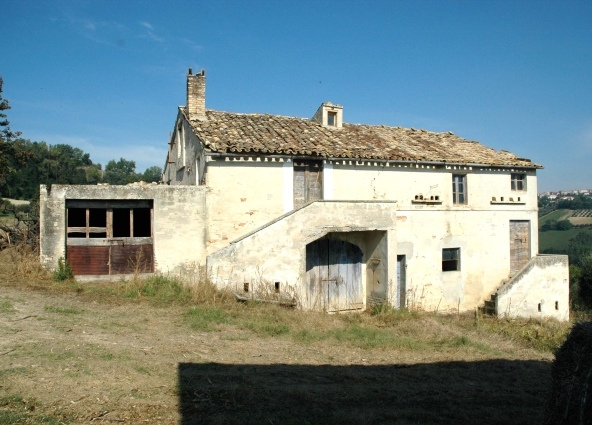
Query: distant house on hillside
[[337, 216]]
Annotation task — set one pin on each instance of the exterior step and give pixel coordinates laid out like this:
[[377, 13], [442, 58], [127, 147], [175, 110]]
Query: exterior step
[[488, 307]]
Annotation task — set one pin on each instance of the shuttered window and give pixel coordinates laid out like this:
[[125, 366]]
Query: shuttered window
[[308, 182]]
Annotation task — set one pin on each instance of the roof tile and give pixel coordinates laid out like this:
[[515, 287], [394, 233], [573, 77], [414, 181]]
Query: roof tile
[[225, 132]]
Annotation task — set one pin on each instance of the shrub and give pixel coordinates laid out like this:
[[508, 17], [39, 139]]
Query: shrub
[[63, 272], [564, 225]]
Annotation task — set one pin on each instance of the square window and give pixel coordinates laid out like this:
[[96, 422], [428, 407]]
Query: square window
[[332, 119], [518, 181], [459, 189], [450, 259]]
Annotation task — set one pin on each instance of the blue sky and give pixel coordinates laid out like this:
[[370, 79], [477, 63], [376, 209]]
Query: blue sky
[[107, 76]]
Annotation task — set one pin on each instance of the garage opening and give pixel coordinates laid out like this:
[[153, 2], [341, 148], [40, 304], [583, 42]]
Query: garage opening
[[106, 237]]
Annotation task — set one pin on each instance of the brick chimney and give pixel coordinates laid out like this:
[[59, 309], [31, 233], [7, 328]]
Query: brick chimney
[[196, 95]]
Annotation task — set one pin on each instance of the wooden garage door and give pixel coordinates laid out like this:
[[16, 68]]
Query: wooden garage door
[[334, 275], [519, 244]]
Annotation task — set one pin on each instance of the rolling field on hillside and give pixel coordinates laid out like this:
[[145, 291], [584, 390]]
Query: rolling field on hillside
[[556, 215], [559, 240]]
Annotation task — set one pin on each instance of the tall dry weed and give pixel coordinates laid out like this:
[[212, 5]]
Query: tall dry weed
[[23, 263]]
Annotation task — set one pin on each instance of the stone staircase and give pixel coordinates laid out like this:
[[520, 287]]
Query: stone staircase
[[488, 308]]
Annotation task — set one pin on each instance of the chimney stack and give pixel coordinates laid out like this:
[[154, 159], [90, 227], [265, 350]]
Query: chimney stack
[[196, 95]]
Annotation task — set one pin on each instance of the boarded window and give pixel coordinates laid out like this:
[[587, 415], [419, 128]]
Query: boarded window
[[519, 244], [308, 182]]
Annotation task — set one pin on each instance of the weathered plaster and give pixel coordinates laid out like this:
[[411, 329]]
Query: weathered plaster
[[540, 289], [179, 220]]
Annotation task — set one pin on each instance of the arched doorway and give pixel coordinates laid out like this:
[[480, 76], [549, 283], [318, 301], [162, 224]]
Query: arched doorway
[[334, 275]]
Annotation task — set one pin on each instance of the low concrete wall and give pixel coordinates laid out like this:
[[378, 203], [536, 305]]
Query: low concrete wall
[[178, 227], [540, 289], [276, 252]]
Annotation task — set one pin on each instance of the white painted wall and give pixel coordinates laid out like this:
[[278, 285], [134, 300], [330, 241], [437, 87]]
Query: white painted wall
[[483, 239], [540, 290]]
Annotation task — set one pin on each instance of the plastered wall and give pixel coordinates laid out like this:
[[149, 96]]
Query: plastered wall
[[241, 196], [402, 182], [541, 290], [276, 252], [484, 241]]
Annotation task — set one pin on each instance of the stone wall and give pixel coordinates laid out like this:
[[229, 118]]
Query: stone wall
[[178, 227]]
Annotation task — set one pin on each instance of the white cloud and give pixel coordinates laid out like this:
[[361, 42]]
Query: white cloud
[[191, 44], [147, 25], [149, 35]]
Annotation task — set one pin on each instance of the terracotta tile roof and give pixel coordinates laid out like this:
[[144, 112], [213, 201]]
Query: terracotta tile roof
[[264, 134]]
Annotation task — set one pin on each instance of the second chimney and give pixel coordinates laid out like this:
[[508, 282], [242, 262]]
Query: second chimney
[[196, 95]]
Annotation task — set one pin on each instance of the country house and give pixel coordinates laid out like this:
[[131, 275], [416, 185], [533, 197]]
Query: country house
[[335, 216]]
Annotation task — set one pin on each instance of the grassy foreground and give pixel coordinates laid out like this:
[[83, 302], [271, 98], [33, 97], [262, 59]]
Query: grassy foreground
[[198, 356]]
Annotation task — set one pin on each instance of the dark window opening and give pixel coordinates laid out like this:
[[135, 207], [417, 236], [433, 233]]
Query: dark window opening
[[246, 286], [121, 223], [142, 222], [76, 217], [332, 119], [539, 306], [556, 305], [450, 259], [109, 219], [97, 217], [277, 287]]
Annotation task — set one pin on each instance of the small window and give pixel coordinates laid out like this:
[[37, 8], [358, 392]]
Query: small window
[[332, 119], [459, 188], [450, 259], [518, 181]]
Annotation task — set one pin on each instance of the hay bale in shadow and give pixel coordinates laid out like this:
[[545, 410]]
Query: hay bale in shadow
[[571, 394]]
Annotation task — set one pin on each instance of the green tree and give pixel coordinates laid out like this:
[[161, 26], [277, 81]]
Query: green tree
[[549, 225], [47, 164], [8, 148], [152, 174], [120, 172], [564, 225], [575, 273], [584, 294], [579, 248]]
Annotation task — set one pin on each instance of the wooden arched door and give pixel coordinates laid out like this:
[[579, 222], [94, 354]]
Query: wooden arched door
[[334, 275]]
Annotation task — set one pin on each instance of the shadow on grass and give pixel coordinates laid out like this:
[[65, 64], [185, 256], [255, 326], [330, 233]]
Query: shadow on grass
[[486, 392]]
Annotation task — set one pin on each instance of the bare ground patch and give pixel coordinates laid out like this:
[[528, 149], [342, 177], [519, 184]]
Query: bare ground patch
[[65, 358], [152, 351]]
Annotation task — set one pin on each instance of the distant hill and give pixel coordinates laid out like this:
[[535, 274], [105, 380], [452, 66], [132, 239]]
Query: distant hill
[[556, 241]]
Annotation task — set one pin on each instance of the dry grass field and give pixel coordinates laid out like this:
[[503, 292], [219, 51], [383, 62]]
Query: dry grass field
[[155, 351]]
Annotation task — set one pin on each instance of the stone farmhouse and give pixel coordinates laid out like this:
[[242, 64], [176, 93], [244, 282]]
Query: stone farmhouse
[[332, 215]]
